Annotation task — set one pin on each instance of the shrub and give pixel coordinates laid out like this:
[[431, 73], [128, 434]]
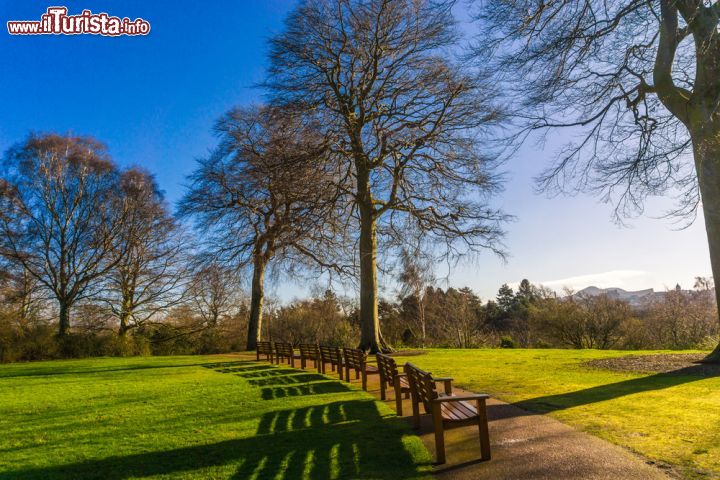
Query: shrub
[[507, 342]]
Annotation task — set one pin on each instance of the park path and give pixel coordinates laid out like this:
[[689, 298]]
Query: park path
[[529, 446]]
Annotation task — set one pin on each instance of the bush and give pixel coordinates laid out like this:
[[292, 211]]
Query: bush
[[507, 342]]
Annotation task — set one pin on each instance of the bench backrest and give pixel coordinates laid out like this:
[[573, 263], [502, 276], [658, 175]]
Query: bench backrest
[[387, 366], [309, 350], [355, 358], [330, 354], [422, 385], [284, 349], [264, 347]]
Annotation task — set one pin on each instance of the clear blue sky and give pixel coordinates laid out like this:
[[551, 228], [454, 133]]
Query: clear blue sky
[[154, 99]]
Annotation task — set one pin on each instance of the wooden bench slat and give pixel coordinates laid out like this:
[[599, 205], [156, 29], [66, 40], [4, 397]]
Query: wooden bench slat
[[389, 376], [310, 351], [458, 411], [284, 351], [333, 356], [356, 359], [264, 348]]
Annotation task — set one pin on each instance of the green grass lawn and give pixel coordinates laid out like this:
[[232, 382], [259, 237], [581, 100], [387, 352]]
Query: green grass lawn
[[674, 419], [195, 417]]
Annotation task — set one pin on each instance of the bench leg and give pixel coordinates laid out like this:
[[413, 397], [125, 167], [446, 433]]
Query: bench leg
[[439, 433], [340, 372], [257, 355], [317, 365], [292, 361], [483, 430], [302, 363], [382, 388], [398, 397], [347, 373], [364, 381], [416, 411]]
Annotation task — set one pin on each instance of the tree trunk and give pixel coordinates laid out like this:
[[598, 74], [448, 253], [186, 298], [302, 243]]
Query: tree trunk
[[706, 149], [421, 313], [64, 319], [256, 302], [369, 321], [122, 331]]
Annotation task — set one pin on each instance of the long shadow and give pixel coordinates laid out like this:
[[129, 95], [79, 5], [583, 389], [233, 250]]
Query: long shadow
[[319, 388], [336, 440], [611, 391], [51, 371], [287, 379], [243, 364], [269, 372]]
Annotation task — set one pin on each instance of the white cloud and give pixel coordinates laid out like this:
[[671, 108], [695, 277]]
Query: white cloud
[[626, 279]]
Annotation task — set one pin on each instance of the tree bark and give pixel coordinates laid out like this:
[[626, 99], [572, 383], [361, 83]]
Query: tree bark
[[256, 302], [64, 325], [706, 149], [369, 320], [122, 331]]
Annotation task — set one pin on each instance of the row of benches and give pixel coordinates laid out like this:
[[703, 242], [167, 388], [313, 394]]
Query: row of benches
[[447, 410], [340, 360]]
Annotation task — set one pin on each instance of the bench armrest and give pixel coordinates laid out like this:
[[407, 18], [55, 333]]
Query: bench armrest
[[447, 383], [461, 398]]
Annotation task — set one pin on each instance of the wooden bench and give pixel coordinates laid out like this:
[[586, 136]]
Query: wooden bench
[[264, 348], [389, 375], [310, 351], [447, 410], [356, 359], [333, 356], [284, 352]]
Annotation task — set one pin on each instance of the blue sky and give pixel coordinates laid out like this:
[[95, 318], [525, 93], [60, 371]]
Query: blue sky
[[153, 101]]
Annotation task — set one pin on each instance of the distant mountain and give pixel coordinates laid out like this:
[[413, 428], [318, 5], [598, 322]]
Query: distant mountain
[[637, 298]]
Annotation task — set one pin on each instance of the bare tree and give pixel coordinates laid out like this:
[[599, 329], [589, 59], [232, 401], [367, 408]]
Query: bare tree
[[407, 121], [265, 195], [415, 276], [149, 263], [581, 321], [211, 294], [636, 79], [61, 215]]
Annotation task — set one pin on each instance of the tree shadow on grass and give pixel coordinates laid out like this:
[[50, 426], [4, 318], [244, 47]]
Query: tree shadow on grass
[[610, 391], [55, 370], [337, 440]]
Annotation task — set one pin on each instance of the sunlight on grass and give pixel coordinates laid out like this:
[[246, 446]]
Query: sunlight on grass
[[195, 417], [667, 418]]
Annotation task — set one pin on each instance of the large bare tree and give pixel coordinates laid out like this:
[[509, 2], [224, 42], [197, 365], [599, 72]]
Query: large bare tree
[[408, 123], [149, 261], [61, 216], [265, 195], [636, 81]]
